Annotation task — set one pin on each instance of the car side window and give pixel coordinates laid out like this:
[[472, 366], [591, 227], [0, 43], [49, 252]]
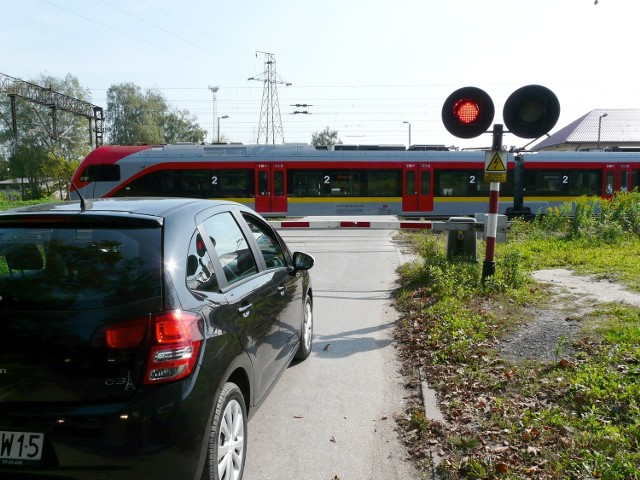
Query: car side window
[[200, 273], [231, 246], [271, 250]]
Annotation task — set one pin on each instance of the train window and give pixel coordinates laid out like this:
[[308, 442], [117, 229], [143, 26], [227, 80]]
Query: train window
[[345, 184], [410, 185], [636, 180], [278, 183], [232, 183], [549, 182], [101, 173], [609, 183], [306, 184], [585, 183], [425, 183], [624, 181], [195, 180], [154, 184], [168, 181], [453, 183], [384, 184], [263, 183], [477, 183]]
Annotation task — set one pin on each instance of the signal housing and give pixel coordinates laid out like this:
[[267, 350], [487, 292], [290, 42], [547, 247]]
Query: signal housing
[[468, 112], [531, 111]]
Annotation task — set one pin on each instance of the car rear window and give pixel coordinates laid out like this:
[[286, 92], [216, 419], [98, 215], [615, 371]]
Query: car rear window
[[78, 268]]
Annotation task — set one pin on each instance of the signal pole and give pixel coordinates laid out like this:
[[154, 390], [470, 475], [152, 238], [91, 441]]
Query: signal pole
[[489, 265], [270, 123]]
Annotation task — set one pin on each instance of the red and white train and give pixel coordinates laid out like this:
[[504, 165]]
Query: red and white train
[[299, 180]]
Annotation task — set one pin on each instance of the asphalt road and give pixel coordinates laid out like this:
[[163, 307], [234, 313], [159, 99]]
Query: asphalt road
[[332, 416]]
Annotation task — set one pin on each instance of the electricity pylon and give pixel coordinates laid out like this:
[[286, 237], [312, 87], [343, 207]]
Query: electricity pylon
[[270, 123]]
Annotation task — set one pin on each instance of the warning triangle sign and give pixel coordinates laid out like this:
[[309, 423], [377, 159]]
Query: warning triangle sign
[[495, 164]]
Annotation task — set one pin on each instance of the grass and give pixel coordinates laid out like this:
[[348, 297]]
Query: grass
[[575, 419]]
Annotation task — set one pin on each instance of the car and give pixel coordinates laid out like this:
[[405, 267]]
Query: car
[[138, 335]]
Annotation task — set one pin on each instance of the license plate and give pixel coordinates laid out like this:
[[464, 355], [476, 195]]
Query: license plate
[[16, 447]]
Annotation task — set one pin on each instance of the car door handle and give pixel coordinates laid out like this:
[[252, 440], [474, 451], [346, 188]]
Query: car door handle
[[281, 289], [244, 310]]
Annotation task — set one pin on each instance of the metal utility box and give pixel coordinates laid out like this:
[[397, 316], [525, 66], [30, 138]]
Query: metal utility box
[[462, 239]]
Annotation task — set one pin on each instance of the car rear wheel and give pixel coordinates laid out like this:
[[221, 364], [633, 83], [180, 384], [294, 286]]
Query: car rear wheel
[[227, 440], [306, 331]]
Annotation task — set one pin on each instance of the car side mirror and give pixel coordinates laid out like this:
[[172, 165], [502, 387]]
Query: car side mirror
[[302, 261]]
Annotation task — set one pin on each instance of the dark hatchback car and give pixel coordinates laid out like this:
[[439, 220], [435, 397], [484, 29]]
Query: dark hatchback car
[[137, 336]]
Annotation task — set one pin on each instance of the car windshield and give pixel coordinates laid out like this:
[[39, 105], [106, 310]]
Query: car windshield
[[78, 268]]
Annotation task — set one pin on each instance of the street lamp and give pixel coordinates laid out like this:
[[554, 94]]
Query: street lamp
[[214, 91], [219, 118], [408, 123], [600, 127]]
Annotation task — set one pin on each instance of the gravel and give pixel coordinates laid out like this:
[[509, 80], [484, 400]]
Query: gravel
[[550, 333]]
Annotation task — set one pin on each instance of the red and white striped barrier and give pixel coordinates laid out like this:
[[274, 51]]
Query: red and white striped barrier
[[482, 223], [378, 225]]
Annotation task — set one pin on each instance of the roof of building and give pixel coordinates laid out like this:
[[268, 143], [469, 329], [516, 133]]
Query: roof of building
[[619, 126]]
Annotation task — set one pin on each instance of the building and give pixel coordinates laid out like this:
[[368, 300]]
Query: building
[[14, 188], [613, 128]]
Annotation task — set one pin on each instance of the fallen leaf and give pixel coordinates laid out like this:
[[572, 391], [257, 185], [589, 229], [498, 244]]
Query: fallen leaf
[[533, 450]]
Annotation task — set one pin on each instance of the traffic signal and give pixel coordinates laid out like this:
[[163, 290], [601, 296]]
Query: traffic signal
[[531, 111], [468, 112]]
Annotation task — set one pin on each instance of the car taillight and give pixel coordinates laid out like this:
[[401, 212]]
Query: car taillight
[[128, 334], [175, 340]]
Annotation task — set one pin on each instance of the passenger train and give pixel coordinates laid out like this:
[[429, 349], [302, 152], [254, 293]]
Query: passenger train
[[298, 179]]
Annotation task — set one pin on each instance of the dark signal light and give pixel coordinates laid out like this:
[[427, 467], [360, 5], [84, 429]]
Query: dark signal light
[[531, 111], [468, 112]]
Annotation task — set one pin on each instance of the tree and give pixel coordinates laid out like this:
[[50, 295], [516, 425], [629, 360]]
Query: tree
[[325, 137], [134, 116], [36, 153], [181, 126]]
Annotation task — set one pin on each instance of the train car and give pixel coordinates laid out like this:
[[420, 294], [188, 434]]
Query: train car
[[298, 180]]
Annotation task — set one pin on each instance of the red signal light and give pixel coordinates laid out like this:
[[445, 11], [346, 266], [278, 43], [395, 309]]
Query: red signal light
[[466, 111]]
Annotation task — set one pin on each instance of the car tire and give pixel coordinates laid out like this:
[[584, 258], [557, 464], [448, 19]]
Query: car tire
[[228, 437], [306, 331]]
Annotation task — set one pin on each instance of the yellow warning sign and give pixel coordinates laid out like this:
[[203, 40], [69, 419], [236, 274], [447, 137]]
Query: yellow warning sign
[[495, 166]]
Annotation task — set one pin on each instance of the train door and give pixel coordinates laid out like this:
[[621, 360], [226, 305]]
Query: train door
[[617, 178], [271, 195], [417, 187]]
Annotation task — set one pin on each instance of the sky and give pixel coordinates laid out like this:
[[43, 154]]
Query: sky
[[372, 70]]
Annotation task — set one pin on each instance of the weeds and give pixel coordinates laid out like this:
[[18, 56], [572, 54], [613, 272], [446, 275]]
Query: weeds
[[567, 419]]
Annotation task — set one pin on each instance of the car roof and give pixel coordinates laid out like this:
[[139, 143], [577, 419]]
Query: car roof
[[144, 206]]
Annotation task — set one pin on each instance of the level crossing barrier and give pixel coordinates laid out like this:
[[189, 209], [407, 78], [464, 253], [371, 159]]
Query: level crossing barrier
[[474, 224]]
